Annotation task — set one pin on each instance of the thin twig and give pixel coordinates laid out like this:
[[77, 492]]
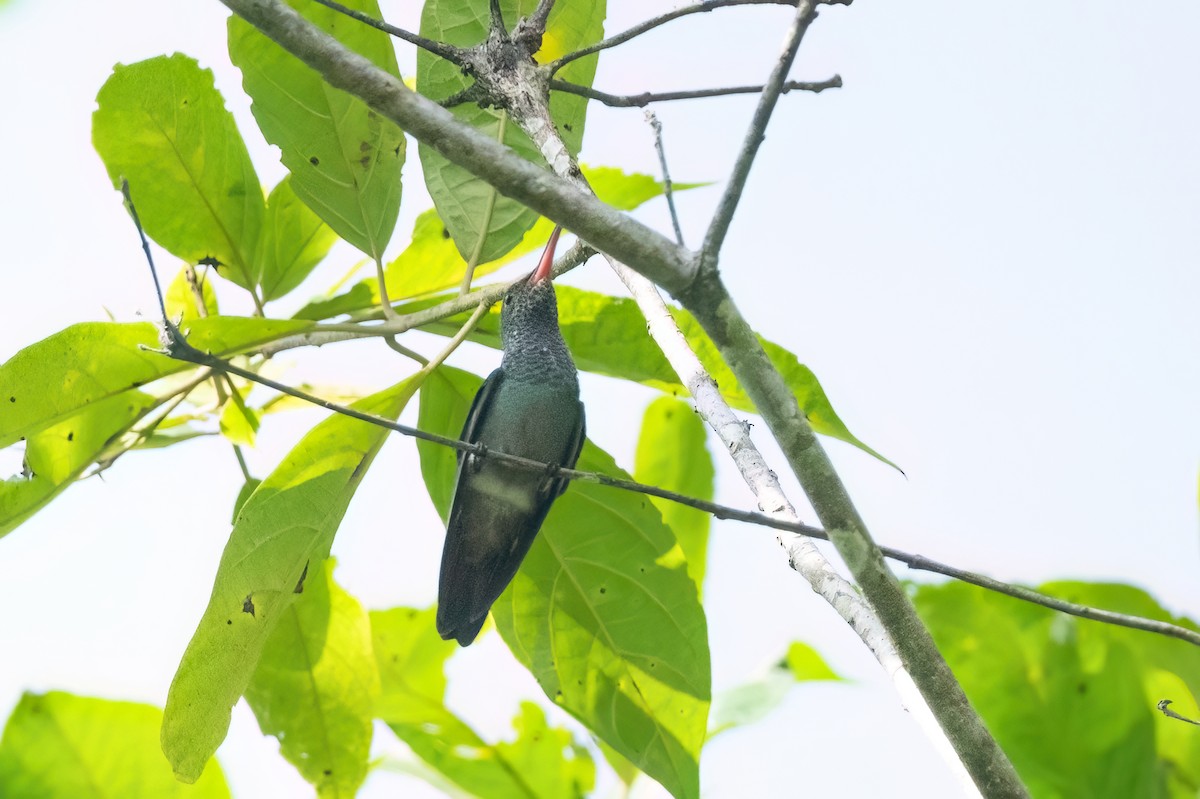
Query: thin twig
[[646, 98], [805, 14], [241, 459], [385, 304], [331, 333], [137, 223], [497, 17], [446, 51], [179, 349], [651, 24], [1171, 714], [458, 338], [396, 346], [656, 126]]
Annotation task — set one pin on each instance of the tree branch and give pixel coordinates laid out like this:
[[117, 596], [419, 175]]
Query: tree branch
[[449, 52], [599, 225], [675, 269], [651, 24], [645, 98], [806, 12], [656, 126]]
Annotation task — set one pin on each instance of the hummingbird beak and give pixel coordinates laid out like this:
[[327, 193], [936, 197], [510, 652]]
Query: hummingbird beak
[[543, 268]]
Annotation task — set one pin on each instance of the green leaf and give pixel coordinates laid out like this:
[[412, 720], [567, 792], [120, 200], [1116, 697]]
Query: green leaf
[[805, 663], [162, 125], [286, 527], [60, 746], [607, 335], [239, 423], [294, 240], [462, 199], [671, 454], [432, 263], [247, 489], [1072, 702], [92, 361], [753, 701], [602, 611], [316, 685], [180, 298], [55, 456], [542, 763], [344, 158]]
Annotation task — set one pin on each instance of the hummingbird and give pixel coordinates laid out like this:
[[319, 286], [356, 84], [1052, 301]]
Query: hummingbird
[[528, 407]]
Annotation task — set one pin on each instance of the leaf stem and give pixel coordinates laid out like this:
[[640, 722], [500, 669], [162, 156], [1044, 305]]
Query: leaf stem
[[241, 459], [486, 223]]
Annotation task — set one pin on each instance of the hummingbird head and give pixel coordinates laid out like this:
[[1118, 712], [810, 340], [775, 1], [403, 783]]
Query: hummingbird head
[[530, 305], [529, 331]]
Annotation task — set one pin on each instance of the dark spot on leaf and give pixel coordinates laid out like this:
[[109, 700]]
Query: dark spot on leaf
[[229, 621], [208, 260], [71, 436], [137, 384], [396, 152], [12, 399], [248, 604], [185, 102], [653, 664], [372, 115], [314, 161], [328, 772], [642, 569], [603, 590], [567, 127], [579, 681], [412, 613], [364, 147], [1082, 688], [558, 694], [445, 233], [365, 162], [395, 658], [300, 582]]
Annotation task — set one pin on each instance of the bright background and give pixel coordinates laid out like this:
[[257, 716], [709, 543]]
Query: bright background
[[985, 246]]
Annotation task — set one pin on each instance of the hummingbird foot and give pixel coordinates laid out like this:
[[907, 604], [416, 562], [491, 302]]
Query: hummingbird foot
[[550, 482], [476, 458]]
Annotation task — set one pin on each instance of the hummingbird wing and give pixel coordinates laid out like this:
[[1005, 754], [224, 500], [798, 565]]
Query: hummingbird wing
[[572, 457], [486, 536], [479, 407]]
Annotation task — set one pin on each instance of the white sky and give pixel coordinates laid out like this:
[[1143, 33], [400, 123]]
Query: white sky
[[985, 246]]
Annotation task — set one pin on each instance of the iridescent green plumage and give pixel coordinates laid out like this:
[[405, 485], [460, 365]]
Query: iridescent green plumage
[[529, 407]]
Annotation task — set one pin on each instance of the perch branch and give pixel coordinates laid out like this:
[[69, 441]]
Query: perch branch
[[452, 54], [646, 98]]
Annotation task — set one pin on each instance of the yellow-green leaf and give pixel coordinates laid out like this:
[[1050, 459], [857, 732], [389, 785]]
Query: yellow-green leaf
[[672, 454], [162, 125], [344, 158], [602, 611], [463, 200], [61, 746], [541, 763], [293, 241], [316, 685], [285, 528], [92, 361], [56, 455], [181, 301]]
